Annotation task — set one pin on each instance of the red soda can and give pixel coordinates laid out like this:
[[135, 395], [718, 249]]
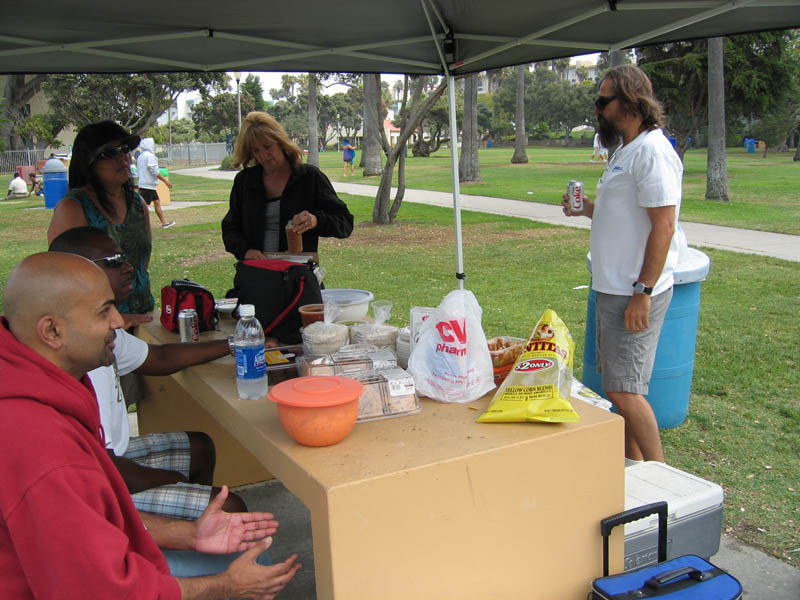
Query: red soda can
[[187, 325], [575, 195]]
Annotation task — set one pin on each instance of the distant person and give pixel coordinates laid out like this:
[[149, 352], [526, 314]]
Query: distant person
[[101, 194], [634, 248], [149, 176], [37, 189], [349, 157], [598, 150], [275, 188], [17, 188], [68, 527], [169, 473]]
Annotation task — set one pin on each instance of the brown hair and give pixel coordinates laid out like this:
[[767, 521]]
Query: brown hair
[[262, 126], [635, 92]]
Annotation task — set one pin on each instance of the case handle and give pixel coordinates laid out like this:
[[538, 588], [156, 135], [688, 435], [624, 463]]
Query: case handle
[[634, 514], [668, 576]]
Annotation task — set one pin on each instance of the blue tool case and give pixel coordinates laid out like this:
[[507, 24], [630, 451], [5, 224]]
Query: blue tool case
[[683, 578]]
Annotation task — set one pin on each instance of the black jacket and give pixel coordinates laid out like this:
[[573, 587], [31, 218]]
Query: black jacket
[[307, 189]]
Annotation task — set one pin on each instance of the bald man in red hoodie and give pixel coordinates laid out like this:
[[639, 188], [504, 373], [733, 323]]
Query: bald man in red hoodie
[[68, 527]]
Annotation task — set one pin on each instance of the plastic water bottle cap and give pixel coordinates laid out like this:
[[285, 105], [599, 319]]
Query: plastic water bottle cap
[[247, 310]]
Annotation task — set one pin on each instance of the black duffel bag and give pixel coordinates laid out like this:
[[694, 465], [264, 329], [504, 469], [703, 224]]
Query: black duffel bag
[[277, 288]]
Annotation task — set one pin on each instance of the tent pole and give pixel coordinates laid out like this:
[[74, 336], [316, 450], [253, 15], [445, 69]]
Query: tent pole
[[451, 95]]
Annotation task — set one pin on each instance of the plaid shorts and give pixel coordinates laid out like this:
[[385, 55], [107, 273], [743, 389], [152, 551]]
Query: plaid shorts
[[168, 451]]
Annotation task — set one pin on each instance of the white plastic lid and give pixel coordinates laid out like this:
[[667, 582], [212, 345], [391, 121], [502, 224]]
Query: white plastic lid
[[54, 165], [246, 310]]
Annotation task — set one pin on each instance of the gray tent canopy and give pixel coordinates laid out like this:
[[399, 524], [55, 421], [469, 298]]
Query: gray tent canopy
[[421, 37], [367, 36]]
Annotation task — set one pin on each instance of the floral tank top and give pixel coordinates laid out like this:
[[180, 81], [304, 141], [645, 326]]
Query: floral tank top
[[133, 238]]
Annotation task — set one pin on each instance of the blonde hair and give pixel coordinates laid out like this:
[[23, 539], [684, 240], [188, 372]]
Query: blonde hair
[[262, 126]]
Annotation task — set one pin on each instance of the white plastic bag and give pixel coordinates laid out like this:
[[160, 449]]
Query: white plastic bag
[[450, 361]]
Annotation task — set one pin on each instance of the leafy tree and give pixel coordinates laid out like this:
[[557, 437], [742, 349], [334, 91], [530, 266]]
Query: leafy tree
[[19, 90], [346, 112], [215, 116], [434, 128], [183, 132], [758, 72], [252, 86], [40, 131], [134, 100]]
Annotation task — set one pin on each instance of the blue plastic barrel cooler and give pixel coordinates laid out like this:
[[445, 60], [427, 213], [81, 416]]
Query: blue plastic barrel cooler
[[54, 176], [671, 382]]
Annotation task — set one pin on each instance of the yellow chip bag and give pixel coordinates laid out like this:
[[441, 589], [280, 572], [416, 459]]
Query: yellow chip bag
[[538, 387]]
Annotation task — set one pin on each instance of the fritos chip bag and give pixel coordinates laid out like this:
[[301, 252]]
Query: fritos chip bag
[[538, 387]]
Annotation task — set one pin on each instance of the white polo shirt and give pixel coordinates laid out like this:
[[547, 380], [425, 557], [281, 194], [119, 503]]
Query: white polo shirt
[[129, 354], [643, 174]]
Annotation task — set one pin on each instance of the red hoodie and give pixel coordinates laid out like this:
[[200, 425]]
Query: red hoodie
[[68, 526]]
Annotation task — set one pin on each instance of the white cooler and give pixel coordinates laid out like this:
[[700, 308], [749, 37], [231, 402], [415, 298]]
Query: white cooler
[[694, 524]]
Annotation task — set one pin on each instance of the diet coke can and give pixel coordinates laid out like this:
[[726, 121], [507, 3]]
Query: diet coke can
[[187, 325], [575, 195]]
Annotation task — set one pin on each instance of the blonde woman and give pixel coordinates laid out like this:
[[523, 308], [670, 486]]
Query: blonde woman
[[274, 188]]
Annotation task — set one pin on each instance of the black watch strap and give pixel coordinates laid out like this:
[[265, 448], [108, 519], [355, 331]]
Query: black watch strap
[[641, 288]]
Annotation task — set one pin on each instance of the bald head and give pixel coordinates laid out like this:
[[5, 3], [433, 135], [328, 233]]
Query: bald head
[[50, 297]]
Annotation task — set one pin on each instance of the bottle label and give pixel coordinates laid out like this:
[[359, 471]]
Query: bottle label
[[250, 363]]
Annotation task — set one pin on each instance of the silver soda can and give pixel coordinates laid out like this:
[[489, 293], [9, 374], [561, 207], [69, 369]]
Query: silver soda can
[[187, 325], [575, 195]]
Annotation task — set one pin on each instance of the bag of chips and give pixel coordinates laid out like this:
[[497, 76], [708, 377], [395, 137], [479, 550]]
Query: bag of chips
[[538, 387]]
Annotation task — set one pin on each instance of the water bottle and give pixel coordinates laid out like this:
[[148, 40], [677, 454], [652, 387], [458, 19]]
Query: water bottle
[[248, 341]]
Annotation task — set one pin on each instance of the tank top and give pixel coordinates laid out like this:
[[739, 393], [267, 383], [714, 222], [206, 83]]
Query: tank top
[[132, 237]]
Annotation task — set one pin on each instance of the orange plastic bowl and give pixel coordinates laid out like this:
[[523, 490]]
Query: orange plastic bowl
[[317, 410], [310, 313]]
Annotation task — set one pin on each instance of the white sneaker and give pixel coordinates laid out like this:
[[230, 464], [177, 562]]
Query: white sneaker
[[168, 225]]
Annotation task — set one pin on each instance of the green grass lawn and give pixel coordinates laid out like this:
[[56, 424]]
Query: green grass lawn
[[765, 192], [743, 428]]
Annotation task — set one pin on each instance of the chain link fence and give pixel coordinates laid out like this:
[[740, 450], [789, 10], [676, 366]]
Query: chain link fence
[[11, 159], [193, 154]]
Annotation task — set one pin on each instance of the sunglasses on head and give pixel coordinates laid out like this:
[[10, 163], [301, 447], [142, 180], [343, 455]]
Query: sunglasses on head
[[113, 152], [115, 261], [603, 101]]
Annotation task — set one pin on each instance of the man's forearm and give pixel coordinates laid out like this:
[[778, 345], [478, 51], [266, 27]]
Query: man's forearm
[[170, 534], [209, 587], [169, 358]]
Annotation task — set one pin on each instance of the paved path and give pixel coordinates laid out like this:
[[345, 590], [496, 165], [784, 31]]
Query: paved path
[[778, 245]]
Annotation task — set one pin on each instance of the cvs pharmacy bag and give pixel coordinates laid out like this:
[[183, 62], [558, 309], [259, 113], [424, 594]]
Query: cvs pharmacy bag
[[450, 361]]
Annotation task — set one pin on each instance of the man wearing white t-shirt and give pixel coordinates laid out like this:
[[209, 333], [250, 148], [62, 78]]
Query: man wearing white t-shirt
[[169, 474], [634, 250]]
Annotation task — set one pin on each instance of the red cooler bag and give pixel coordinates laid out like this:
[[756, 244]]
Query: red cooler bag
[[182, 294]]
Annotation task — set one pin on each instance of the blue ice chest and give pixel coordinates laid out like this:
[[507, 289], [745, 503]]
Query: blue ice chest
[[54, 174], [671, 382]]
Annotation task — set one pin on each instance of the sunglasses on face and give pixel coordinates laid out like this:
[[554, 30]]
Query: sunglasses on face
[[114, 261], [113, 152], [603, 101]]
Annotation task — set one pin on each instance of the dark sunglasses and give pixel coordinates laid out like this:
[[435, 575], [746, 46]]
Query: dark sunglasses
[[603, 101], [113, 152], [114, 261]]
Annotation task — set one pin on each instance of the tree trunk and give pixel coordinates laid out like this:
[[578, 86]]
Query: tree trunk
[[717, 164], [521, 138], [16, 95], [381, 213], [616, 58], [371, 150], [469, 166], [796, 156], [313, 127]]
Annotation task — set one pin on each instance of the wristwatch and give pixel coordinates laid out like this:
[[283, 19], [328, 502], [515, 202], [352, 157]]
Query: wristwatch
[[231, 347], [641, 288]]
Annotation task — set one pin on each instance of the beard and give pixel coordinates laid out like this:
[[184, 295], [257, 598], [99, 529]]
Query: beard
[[609, 136]]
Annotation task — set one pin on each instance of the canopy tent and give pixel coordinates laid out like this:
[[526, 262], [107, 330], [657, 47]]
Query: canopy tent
[[426, 37]]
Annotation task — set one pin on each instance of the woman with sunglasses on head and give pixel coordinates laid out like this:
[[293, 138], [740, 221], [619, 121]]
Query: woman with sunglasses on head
[[101, 194], [276, 193]]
